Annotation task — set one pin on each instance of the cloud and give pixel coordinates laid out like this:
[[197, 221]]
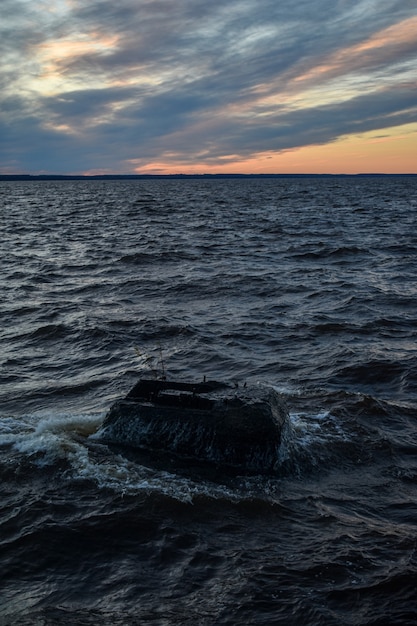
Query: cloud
[[110, 84]]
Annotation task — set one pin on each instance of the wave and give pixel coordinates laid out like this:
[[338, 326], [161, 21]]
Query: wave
[[315, 441]]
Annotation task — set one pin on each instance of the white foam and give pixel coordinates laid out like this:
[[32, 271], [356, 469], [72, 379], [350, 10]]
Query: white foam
[[48, 438], [313, 428], [286, 389]]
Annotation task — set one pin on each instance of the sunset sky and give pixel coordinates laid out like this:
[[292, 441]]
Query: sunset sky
[[206, 86]]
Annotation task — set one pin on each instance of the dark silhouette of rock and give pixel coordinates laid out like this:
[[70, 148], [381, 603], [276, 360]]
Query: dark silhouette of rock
[[209, 421]]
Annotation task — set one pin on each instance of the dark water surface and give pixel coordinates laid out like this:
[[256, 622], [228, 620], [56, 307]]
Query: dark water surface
[[306, 285]]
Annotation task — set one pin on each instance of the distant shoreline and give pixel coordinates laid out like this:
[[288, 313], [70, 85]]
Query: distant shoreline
[[33, 177]]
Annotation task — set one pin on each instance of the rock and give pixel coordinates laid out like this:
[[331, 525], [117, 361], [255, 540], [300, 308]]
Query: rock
[[210, 421]]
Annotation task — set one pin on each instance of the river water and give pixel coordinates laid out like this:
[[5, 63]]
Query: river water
[[304, 285]]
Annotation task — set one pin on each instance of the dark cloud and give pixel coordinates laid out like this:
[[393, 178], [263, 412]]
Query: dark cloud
[[110, 83]]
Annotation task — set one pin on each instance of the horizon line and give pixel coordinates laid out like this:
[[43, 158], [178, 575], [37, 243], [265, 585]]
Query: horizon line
[[196, 176]]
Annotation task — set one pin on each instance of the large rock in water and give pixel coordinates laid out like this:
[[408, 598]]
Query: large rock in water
[[209, 421], [206, 421]]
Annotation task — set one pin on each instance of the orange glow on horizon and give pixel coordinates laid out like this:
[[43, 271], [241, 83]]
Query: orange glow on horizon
[[387, 151]]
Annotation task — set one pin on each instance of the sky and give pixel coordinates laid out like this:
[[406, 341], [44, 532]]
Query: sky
[[208, 86]]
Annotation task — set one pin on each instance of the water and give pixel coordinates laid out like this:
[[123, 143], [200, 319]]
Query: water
[[305, 285]]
